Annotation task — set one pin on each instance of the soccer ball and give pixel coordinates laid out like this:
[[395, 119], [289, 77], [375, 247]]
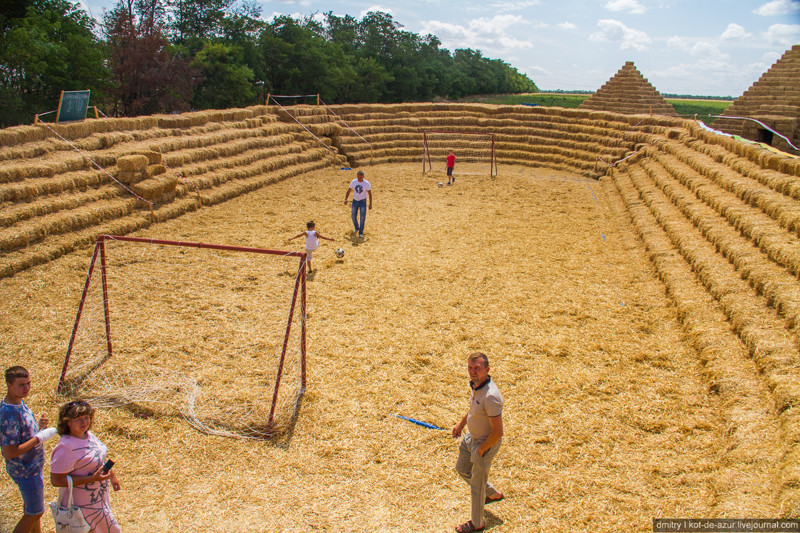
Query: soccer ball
[[339, 253], [441, 184]]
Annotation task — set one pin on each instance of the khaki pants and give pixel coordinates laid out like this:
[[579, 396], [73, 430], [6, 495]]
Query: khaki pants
[[474, 469]]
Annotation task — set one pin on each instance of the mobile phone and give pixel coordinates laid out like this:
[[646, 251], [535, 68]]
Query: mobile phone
[[106, 467]]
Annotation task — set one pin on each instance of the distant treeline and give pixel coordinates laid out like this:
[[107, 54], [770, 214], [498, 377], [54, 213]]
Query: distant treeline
[[161, 56], [665, 95], [695, 97]]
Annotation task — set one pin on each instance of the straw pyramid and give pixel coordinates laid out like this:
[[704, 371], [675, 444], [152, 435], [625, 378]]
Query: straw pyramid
[[774, 100], [629, 92]]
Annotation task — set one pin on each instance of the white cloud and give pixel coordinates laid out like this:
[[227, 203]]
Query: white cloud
[[778, 7], [566, 25], [720, 76], [539, 70], [616, 32], [632, 6], [707, 50], [480, 34], [678, 43], [734, 32], [704, 48], [375, 9], [515, 5], [783, 34], [303, 3]]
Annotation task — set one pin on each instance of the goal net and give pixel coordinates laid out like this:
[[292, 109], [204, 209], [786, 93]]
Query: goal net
[[474, 152], [213, 333]]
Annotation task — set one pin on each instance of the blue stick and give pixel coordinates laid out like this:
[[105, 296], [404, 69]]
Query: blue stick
[[420, 423]]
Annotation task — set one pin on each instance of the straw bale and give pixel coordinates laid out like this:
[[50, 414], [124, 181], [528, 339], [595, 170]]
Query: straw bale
[[152, 189], [131, 176], [20, 135], [26, 171], [153, 156], [132, 162], [259, 110], [155, 170]]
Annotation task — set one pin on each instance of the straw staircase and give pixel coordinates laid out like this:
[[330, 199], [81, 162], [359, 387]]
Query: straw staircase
[[720, 220], [54, 200], [774, 100], [629, 92], [563, 139]]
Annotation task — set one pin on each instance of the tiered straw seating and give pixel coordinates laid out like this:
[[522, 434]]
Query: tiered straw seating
[[720, 219], [629, 92], [774, 100], [53, 198], [563, 139]]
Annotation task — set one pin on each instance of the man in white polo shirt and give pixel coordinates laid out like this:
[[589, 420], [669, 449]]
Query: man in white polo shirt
[[361, 189], [484, 422]]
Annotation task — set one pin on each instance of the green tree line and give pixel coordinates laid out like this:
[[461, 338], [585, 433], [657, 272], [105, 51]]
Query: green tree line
[[162, 56]]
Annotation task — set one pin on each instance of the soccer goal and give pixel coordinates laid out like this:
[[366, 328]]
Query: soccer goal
[[475, 152], [214, 333]]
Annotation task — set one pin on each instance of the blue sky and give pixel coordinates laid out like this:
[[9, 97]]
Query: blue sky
[[699, 47]]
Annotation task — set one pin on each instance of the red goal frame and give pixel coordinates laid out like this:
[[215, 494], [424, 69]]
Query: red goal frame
[[299, 292], [426, 153]]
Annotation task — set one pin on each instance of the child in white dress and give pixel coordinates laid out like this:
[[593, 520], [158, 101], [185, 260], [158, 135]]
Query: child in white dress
[[312, 241]]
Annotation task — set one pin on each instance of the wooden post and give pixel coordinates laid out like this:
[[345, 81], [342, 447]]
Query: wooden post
[[268, 95], [101, 241], [317, 98]]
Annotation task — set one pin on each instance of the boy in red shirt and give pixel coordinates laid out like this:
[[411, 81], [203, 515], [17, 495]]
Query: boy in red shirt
[[451, 162]]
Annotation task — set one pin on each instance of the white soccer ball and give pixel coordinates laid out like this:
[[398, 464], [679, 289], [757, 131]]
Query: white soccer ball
[[441, 184], [339, 253]]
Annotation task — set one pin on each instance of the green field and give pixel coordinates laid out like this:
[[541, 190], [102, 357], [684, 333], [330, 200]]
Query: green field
[[685, 107]]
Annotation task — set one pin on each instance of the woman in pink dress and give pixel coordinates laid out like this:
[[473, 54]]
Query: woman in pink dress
[[80, 455]]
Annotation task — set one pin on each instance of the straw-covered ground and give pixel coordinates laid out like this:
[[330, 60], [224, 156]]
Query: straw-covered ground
[[608, 417]]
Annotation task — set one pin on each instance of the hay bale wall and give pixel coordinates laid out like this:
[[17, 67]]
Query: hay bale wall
[[62, 185], [629, 92], [718, 218], [774, 99], [561, 139]]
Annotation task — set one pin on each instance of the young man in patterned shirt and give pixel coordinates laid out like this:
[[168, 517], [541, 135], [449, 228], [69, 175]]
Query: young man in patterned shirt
[[22, 443]]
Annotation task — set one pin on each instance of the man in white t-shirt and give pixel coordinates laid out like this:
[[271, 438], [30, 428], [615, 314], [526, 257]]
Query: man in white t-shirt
[[361, 189], [484, 422]]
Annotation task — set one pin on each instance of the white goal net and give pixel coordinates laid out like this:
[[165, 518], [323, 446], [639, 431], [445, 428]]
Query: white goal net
[[474, 152], [215, 334]]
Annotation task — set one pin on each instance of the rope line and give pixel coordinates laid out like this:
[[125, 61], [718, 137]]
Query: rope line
[[273, 96], [107, 173], [757, 122], [331, 150], [343, 122]]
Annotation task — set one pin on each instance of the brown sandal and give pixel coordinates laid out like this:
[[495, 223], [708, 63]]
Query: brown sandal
[[469, 527], [493, 500]]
